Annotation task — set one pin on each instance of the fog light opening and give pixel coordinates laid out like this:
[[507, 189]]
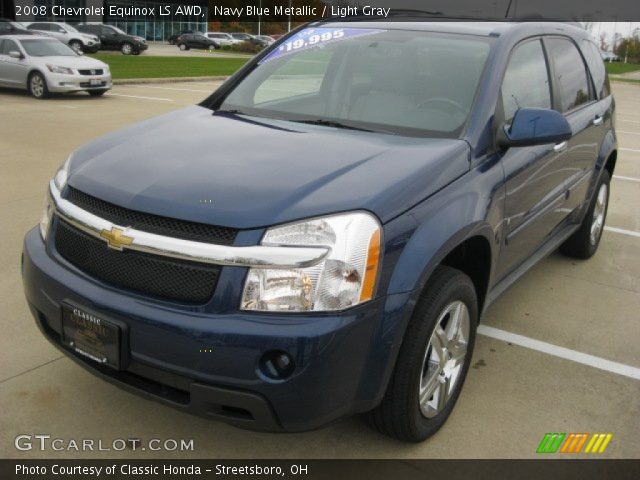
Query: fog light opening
[[277, 365]]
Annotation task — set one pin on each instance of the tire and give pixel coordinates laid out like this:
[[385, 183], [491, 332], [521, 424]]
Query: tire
[[76, 46], [136, 52], [126, 48], [183, 47], [37, 86], [417, 371], [585, 241], [97, 93]]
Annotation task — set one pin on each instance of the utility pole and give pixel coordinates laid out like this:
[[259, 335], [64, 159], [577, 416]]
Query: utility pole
[[289, 24], [260, 18]]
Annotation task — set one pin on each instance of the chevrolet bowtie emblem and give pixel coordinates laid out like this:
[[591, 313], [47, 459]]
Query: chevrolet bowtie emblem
[[116, 239]]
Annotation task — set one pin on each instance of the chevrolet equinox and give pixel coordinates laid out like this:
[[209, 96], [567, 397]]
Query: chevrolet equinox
[[321, 235]]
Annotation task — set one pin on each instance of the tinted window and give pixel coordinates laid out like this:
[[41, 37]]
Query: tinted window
[[39, 26], [5, 27], [526, 80], [571, 74], [596, 66], [9, 46]]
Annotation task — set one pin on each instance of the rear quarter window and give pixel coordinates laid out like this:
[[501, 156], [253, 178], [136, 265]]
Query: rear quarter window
[[596, 67], [570, 72]]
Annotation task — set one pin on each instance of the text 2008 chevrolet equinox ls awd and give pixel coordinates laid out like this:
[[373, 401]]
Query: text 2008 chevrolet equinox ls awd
[[321, 235]]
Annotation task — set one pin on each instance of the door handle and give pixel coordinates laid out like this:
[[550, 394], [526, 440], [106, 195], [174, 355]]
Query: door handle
[[598, 120], [559, 147]]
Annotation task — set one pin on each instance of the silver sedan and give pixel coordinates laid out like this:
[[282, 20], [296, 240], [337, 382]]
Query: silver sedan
[[43, 65]]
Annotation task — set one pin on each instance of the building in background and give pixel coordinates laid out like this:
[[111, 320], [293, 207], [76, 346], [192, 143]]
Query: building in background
[[158, 28]]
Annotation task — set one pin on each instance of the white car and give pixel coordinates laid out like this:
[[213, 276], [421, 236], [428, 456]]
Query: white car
[[80, 42], [223, 39], [43, 65]]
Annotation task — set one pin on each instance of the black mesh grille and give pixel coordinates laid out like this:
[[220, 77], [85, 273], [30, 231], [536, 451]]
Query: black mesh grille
[[97, 71], [152, 275], [170, 227]]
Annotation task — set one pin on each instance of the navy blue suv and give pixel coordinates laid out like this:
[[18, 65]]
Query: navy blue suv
[[321, 235]]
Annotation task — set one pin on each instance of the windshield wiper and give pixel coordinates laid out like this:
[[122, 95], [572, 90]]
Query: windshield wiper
[[344, 126], [231, 111], [333, 123]]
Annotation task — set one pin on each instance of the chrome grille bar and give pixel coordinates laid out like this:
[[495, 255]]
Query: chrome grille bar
[[254, 256]]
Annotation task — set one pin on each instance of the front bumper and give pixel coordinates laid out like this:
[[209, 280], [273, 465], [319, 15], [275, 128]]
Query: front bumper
[[140, 47], [61, 83], [94, 48], [343, 360]]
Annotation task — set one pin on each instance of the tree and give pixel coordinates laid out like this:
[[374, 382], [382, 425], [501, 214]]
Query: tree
[[604, 46]]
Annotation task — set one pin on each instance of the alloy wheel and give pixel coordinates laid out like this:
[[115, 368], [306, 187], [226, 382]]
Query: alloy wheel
[[599, 211], [37, 86], [444, 358]]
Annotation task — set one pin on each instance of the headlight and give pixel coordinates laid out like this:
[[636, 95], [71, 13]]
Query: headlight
[[47, 213], [56, 69], [346, 277]]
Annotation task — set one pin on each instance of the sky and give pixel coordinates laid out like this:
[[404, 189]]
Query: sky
[[610, 28]]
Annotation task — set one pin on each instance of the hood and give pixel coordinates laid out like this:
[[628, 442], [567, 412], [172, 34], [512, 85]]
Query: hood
[[250, 173], [71, 62]]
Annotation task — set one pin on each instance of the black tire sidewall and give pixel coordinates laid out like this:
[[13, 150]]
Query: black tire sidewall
[[604, 180], [45, 92], [460, 288]]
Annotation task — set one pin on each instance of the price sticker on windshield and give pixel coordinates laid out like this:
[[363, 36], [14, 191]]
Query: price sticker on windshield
[[315, 37]]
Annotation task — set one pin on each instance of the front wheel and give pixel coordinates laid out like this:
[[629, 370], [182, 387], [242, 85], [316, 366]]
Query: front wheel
[[433, 360], [183, 47], [126, 48], [38, 86], [585, 241]]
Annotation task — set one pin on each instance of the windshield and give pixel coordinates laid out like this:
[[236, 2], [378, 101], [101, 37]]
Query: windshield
[[404, 82], [47, 48], [69, 28], [121, 32]]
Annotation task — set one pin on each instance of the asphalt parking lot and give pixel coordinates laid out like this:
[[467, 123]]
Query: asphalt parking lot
[[519, 388]]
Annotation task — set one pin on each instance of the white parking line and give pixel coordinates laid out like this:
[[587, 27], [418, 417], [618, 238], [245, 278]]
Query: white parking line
[[629, 121], [157, 99], [630, 150], [561, 352], [629, 133], [622, 231], [173, 88], [628, 179]]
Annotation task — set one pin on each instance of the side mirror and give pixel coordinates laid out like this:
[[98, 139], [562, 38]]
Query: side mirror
[[534, 126], [16, 54]]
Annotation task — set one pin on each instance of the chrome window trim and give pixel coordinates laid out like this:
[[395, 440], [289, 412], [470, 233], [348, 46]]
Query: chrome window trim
[[253, 256]]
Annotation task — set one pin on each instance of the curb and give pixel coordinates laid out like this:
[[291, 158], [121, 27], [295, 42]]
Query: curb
[[136, 81]]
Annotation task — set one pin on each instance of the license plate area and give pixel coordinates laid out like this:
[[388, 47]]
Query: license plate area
[[91, 335], [95, 82]]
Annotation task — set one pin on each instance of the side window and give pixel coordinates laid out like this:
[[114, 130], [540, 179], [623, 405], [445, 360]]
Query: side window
[[9, 46], [526, 80], [596, 66], [571, 74], [1, 47], [107, 31], [38, 26]]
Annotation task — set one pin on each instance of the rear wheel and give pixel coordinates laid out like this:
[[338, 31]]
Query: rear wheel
[[126, 48], [585, 241], [433, 361], [38, 86], [76, 46]]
